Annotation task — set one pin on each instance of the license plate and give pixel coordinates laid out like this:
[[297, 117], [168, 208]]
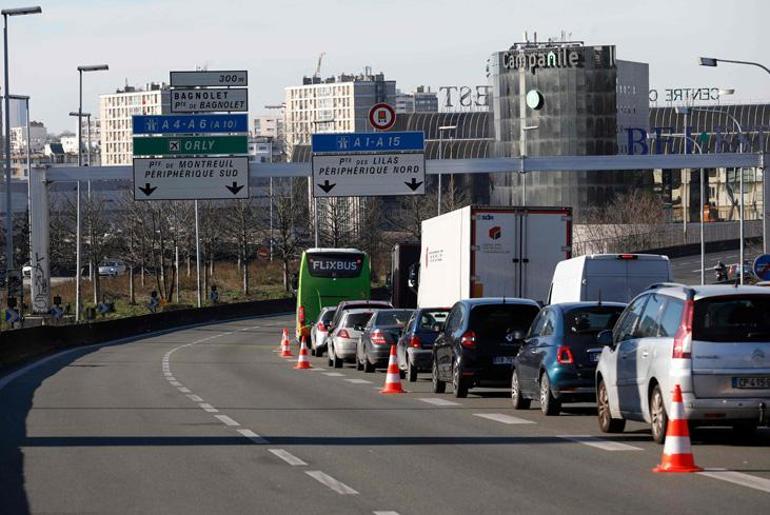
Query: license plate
[[503, 360], [594, 356], [752, 383]]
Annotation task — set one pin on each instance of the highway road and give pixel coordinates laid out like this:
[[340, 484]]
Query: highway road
[[687, 269], [211, 420]]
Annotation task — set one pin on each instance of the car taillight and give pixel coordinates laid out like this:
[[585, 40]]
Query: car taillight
[[321, 326], [415, 342], [378, 338], [564, 355], [343, 334], [468, 340], [301, 315], [683, 336]]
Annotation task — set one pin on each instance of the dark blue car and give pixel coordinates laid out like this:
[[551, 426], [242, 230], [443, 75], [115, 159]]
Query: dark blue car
[[557, 362], [415, 347]]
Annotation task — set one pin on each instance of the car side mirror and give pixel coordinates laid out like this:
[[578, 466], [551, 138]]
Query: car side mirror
[[604, 338]]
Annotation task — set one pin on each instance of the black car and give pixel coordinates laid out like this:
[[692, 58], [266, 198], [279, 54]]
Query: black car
[[415, 347], [380, 333], [558, 360], [479, 342]]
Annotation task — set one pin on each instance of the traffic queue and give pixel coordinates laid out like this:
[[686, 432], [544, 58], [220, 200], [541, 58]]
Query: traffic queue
[[614, 331]]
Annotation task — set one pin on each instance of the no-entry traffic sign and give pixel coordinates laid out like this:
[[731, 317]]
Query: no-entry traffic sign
[[382, 116]]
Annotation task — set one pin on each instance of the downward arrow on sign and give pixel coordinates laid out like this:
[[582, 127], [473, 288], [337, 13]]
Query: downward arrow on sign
[[326, 186], [414, 184], [147, 190], [234, 189]]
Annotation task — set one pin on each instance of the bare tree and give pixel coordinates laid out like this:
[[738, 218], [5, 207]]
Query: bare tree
[[338, 220], [243, 227], [289, 216]]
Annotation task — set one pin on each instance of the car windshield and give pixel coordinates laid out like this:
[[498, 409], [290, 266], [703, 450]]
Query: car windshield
[[428, 319], [355, 319], [498, 321], [732, 319], [397, 318], [327, 316], [591, 320]]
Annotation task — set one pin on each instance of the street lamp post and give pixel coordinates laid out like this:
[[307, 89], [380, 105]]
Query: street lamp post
[[713, 62], [20, 11], [441, 130]]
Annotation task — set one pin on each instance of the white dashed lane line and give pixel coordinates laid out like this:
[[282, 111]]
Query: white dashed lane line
[[226, 420], [327, 480], [739, 478], [175, 383], [385, 513], [605, 445], [438, 402], [251, 435], [334, 374], [194, 398], [504, 419], [288, 457], [208, 407], [184, 389], [358, 381]]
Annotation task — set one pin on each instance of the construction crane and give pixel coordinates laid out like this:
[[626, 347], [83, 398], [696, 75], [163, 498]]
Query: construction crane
[[318, 66]]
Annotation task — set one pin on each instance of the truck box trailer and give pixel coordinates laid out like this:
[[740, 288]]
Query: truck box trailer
[[403, 256], [492, 252]]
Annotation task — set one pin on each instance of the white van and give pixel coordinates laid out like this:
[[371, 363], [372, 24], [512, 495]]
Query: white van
[[610, 277]]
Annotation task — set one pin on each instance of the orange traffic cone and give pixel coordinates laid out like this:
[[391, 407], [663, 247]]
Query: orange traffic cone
[[284, 337], [677, 454], [392, 377], [303, 362], [286, 346]]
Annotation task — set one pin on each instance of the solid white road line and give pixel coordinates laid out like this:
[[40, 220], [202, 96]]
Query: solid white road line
[[194, 398], [334, 374], [251, 435], [438, 402], [184, 389], [505, 419], [208, 407], [358, 381], [288, 457], [605, 445], [226, 420], [327, 480], [739, 478]]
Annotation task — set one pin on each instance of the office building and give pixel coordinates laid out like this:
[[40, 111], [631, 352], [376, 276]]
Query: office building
[[421, 100], [37, 133]]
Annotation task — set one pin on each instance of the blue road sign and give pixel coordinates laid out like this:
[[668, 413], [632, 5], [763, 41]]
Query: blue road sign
[[190, 123], [352, 142], [762, 267]]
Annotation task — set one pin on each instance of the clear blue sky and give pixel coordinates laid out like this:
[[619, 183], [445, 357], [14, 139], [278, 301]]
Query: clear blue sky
[[430, 42]]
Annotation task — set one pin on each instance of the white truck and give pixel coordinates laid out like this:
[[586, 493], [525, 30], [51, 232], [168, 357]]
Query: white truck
[[492, 252]]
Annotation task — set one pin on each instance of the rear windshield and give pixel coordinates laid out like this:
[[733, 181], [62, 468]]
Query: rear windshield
[[399, 317], [732, 319], [591, 320], [354, 319], [430, 318], [335, 265], [495, 322], [327, 316]]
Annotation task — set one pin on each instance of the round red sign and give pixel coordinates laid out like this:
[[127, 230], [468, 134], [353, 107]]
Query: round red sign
[[382, 116]]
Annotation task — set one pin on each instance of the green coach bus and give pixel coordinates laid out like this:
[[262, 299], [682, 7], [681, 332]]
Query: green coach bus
[[327, 277]]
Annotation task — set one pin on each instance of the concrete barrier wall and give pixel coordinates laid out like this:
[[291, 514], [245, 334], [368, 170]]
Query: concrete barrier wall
[[21, 345]]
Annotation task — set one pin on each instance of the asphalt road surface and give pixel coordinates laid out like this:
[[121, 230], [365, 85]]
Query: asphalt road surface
[[687, 269], [211, 420]]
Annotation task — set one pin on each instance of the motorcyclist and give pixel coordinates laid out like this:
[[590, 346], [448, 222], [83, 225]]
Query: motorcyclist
[[721, 271]]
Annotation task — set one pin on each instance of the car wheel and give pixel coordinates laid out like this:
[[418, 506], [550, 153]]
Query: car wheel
[[359, 364], [519, 402], [439, 386], [607, 424], [336, 361], [549, 405], [331, 351], [368, 367], [459, 385], [658, 415], [411, 371]]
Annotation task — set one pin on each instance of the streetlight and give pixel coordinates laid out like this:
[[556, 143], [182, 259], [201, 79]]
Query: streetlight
[[81, 69], [712, 62], [18, 11], [441, 130]]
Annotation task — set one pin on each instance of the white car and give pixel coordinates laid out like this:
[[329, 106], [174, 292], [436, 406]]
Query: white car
[[320, 331], [343, 340], [112, 268]]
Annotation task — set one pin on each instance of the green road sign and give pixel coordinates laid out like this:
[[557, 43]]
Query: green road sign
[[193, 145]]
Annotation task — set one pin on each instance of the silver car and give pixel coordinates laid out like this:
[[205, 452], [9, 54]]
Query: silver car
[[343, 340], [714, 341], [320, 331]]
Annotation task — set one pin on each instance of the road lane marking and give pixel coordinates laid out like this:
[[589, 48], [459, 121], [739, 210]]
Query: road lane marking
[[739, 478], [184, 389], [438, 402], [288, 457], [226, 420], [385, 513], [599, 443], [334, 374], [175, 383], [208, 407], [194, 398], [251, 435], [327, 480], [358, 381], [505, 419]]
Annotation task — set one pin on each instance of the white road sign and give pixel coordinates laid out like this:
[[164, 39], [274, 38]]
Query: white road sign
[[191, 178], [361, 175], [187, 79], [209, 100]]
